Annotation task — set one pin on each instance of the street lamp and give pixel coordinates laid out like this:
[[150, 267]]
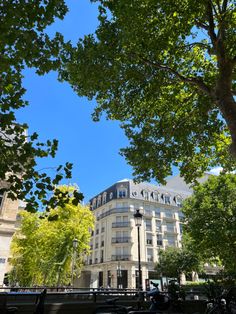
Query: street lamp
[[138, 222], [75, 245]]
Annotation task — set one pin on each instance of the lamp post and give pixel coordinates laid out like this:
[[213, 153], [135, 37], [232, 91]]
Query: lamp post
[[138, 222], [75, 245]]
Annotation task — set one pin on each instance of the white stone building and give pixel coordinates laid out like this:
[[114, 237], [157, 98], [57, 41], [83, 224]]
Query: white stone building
[[8, 221], [114, 244]]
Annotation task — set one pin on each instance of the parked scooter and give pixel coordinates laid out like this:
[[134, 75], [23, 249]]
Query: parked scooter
[[159, 301]]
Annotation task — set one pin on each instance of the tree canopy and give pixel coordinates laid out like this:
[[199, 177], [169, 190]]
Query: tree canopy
[[175, 261], [166, 70], [211, 217], [42, 248], [24, 43]]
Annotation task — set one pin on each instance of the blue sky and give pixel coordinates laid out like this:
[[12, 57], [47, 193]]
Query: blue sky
[[55, 111]]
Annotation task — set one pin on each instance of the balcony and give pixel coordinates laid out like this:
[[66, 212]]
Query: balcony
[[114, 211], [121, 257], [121, 240], [148, 213], [170, 231], [169, 217], [124, 224]]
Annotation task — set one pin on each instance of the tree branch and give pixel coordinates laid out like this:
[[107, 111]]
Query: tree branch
[[211, 29], [196, 81], [224, 6]]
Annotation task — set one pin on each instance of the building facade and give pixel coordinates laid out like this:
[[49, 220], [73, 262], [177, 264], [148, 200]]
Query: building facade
[[8, 222], [113, 261]]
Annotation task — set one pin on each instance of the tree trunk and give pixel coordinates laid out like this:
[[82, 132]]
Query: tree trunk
[[225, 99]]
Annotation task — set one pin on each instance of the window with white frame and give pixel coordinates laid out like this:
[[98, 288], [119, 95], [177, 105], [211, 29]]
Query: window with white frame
[[149, 255], [157, 212], [122, 192], [145, 195], [178, 201], [99, 201], [155, 196], [148, 224], [166, 198], [94, 202], [171, 241], [104, 197], [148, 238]]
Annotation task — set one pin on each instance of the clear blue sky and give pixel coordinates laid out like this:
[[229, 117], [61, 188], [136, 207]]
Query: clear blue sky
[[55, 111]]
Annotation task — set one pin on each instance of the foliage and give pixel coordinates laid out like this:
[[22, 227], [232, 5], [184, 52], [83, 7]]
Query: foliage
[[210, 215], [42, 248], [166, 70], [175, 261], [24, 43]]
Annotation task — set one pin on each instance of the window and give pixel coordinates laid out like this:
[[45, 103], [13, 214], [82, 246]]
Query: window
[[157, 212], [99, 201], [102, 256], [166, 199], [150, 255], [148, 224], [94, 203], [149, 238], [159, 240], [155, 196], [171, 241], [111, 195], [178, 201], [122, 193], [104, 197], [145, 194]]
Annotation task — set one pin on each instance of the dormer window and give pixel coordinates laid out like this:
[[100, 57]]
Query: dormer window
[[122, 193], [155, 196], [178, 201], [145, 195], [99, 201], [111, 196], [104, 198], [166, 199], [94, 203]]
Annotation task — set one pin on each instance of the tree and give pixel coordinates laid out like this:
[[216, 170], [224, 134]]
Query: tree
[[166, 70], [175, 261], [210, 219], [24, 43], [42, 247]]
